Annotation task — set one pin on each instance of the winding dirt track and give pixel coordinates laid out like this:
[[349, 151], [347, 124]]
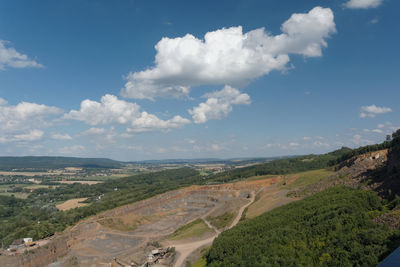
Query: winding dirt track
[[184, 250]]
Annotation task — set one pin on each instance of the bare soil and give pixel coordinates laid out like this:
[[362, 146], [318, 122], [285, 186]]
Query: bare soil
[[72, 203]]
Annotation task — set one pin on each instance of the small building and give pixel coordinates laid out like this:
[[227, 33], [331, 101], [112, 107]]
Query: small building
[[28, 241]]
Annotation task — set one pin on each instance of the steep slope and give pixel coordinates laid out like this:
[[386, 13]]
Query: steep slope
[[331, 228]]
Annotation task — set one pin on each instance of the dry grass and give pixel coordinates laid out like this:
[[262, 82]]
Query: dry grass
[[274, 196], [193, 229], [80, 182], [222, 221], [72, 203], [266, 200], [119, 224]]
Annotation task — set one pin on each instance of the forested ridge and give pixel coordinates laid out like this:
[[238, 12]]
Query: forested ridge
[[10, 163], [331, 228]]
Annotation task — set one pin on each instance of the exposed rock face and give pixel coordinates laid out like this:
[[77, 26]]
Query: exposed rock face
[[393, 166], [366, 171], [39, 257]]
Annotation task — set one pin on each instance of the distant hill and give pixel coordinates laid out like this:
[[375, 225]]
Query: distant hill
[[229, 161], [285, 165], [32, 162]]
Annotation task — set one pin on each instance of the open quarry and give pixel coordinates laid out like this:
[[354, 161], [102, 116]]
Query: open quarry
[[187, 219], [127, 232]]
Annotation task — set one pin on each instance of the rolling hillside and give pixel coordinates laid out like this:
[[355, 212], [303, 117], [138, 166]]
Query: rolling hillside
[[10, 163]]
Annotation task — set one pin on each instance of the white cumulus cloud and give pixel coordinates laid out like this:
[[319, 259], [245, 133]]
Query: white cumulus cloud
[[112, 110], [24, 115], [363, 4], [372, 110], [219, 104], [9, 57], [229, 56]]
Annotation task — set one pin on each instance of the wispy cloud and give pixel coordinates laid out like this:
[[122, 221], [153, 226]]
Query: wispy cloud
[[9, 57], [372, 110], [363, 4]]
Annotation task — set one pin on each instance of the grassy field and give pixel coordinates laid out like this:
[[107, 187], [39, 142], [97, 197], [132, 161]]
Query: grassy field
[[17, 195], [37, 186], [27, 186], [71, 204], [118, 224], [201, 262], [222, 221], [305, 178], [273, 197], [196, 228], [102, 178], [260, 177]]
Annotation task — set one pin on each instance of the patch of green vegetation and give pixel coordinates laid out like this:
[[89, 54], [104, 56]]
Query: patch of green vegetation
[[118, 224], [202, 261], [98, 178], [309, 177], [221, 221], [17, 195], [330, 228], [203, 173], [196, 228], [243, 217]]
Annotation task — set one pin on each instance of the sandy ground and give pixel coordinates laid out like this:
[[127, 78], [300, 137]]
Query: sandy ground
[[72, 203]]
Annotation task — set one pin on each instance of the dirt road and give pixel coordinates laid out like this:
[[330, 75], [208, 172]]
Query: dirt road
[[184, 250]]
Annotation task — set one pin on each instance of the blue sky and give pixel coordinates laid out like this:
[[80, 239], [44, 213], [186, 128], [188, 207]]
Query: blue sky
[[133, 80]]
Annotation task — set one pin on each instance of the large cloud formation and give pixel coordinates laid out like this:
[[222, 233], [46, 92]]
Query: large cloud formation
[[9, 57], [112, 110], [218, 104], [229, 56]]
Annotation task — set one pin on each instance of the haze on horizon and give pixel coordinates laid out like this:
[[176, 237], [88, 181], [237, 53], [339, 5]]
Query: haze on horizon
[[157, 80]]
